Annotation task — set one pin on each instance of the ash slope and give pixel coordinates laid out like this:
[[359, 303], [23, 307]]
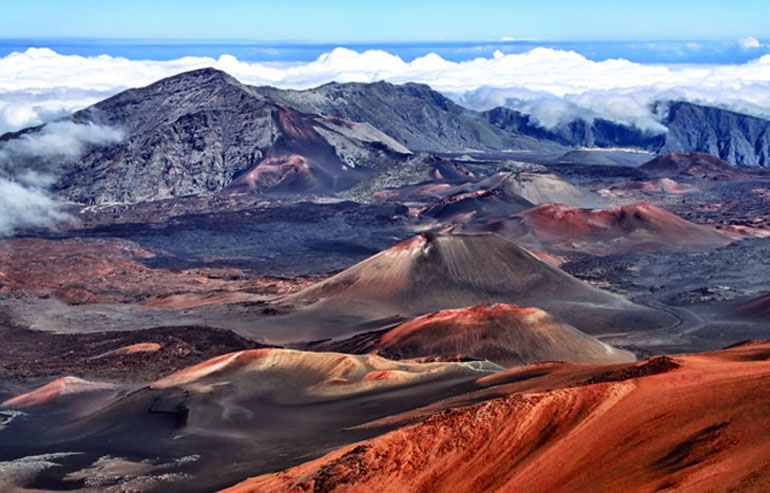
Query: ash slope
[[431, 272], [238, 411], [698, 164], [686, 423], [756, 308], [506, 193], [630, 229]]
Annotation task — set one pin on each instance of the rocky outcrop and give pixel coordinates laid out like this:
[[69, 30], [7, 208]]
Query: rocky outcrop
[[203, 131]]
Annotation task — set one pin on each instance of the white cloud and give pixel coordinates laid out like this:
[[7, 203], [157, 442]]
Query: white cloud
[[507, 39], [749, 42], [38, 84], [32, 106], [23, 206], [24, 198], [630, 107], [58, 139]]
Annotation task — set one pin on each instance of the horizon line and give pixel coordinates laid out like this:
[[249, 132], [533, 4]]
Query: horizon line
[[369, 42]]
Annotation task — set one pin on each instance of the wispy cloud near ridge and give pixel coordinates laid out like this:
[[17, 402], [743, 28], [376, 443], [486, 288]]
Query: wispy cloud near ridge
[[24, 198]]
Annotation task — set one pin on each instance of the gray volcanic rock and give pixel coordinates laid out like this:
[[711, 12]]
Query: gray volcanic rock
[[737, 138], [199, 131], [689, 163], [413, 114], [422, 172], [505, 334], [506, 193], [577, 133]]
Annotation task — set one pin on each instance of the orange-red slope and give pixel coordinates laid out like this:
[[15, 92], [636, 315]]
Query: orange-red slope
[[502, 333], [52, 391], [700, 426], [90, 270], [633, 228]]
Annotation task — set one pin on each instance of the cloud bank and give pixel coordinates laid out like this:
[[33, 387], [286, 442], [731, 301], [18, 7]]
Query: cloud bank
[[39, 84], [58, 139], [24, 198], [23, 207]]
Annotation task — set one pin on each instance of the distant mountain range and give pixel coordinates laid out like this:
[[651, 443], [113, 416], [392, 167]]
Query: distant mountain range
[[203, 131], [737, 138]]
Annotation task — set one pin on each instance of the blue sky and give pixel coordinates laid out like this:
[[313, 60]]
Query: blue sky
[[343, 21]]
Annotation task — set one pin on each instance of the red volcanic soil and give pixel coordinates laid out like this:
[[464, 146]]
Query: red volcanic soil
[[140, 347], [632, 228], [299, 126], [464, 206], [504, 334], [698, 164], [687, 423], [274, 170], [554, 260], [54, 390], [80, 271], [294, 377], [414, 193], [758, 308], [125, 356]]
